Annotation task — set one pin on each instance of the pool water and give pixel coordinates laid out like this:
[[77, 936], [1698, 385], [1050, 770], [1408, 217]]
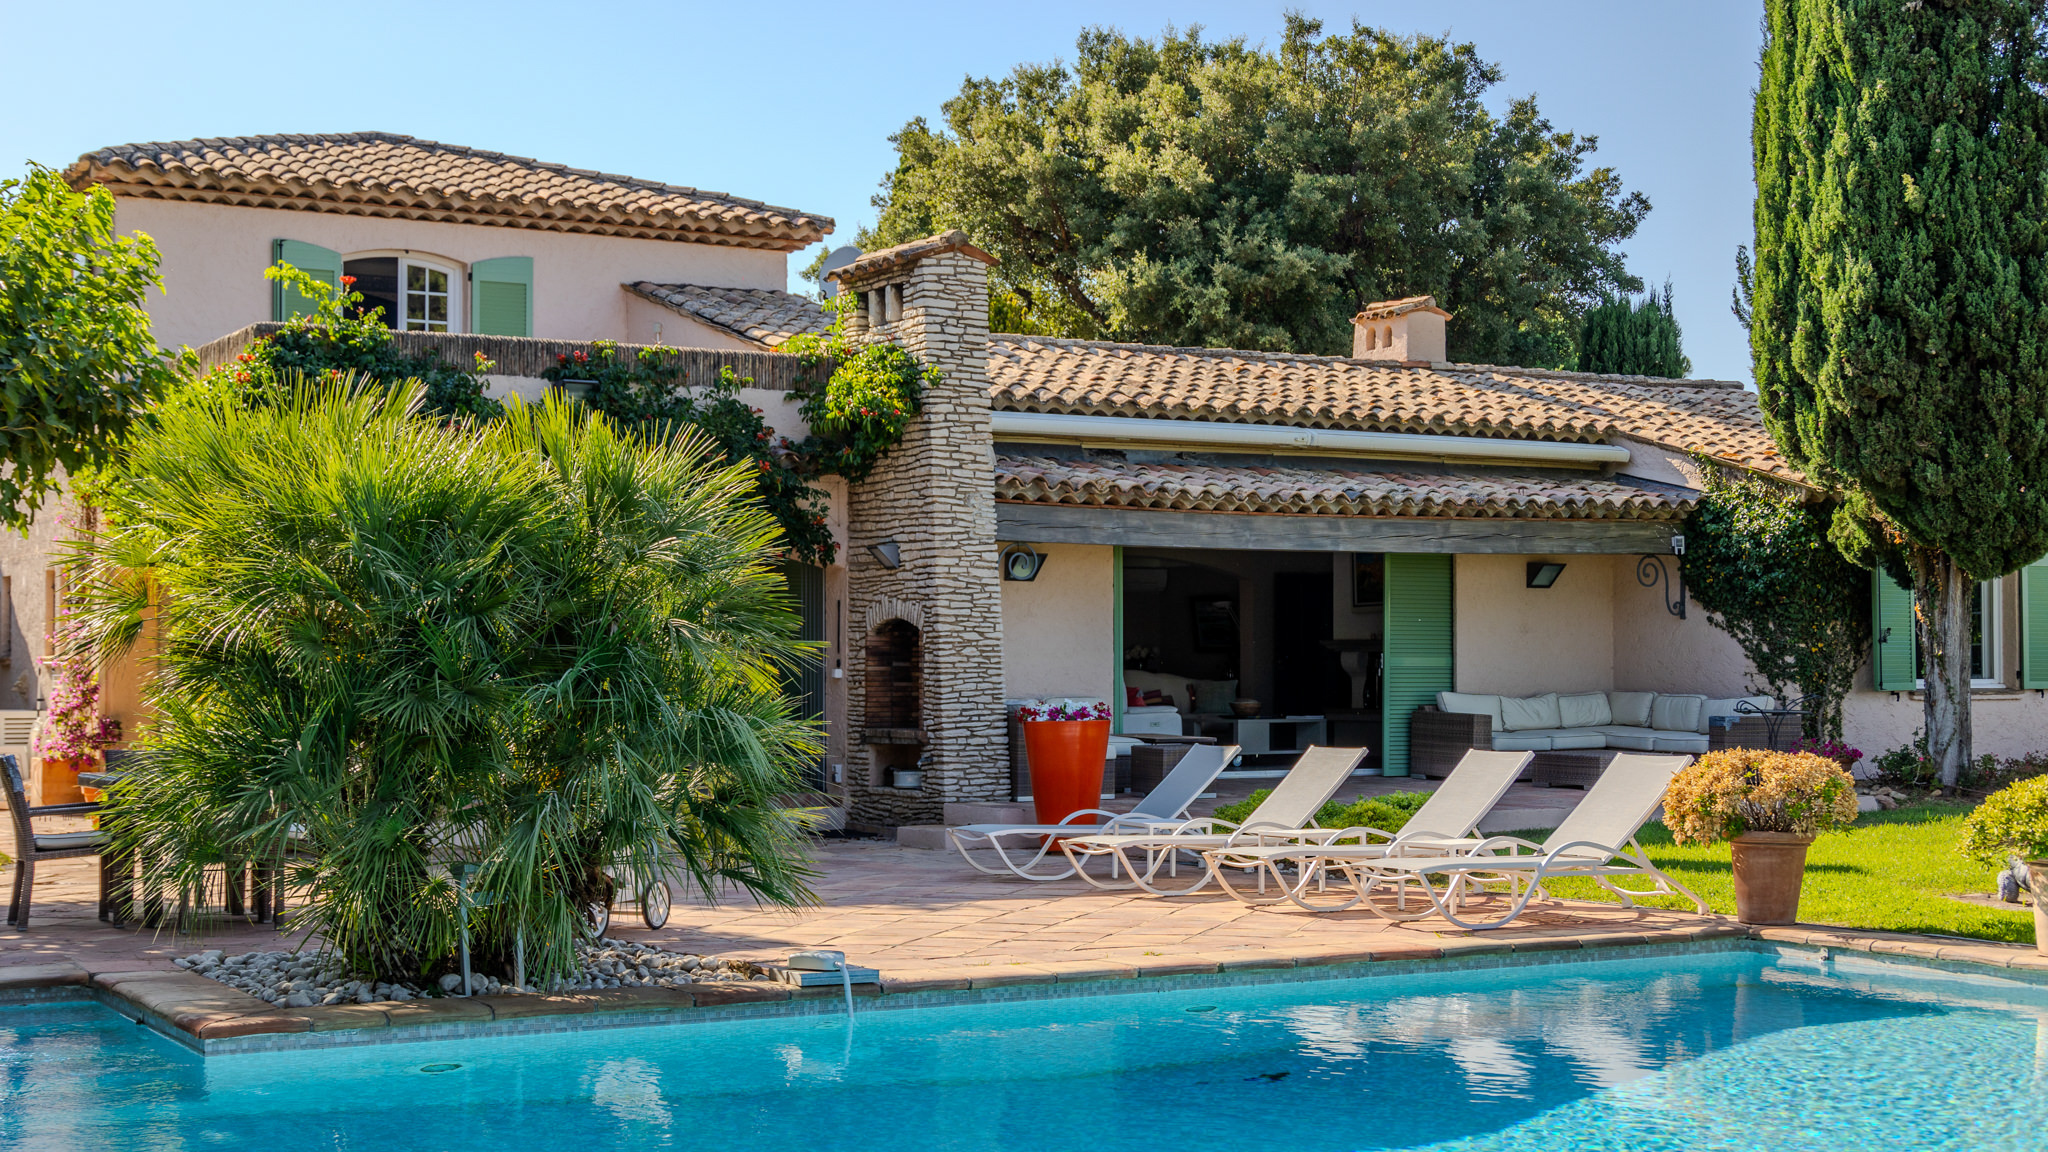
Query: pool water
[[1730, 1050]]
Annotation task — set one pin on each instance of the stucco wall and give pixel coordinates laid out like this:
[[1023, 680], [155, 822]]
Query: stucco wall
[[1655, 651], [1520, 641], [649, 323], [1059, 631], [2003, 722], [23, 561], [214, 256]]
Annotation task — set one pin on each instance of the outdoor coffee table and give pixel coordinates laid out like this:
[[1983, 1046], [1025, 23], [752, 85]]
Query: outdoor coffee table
[[1579, 768], [1266, 735]]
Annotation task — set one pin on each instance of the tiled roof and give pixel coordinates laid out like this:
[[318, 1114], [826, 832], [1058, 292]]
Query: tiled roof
[[381, 174], [1112, 483], [1042, 374], [1387, 309], [764, 316], [953, 240]]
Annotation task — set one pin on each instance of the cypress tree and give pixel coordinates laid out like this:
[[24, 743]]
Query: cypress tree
[[1900, 325], [1633, 338]]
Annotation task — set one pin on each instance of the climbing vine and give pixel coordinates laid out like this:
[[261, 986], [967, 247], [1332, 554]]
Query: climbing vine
[[1758, 559], [856, 416]]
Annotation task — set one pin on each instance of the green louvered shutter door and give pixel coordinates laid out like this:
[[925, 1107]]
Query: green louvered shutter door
[[1418, 646], [322, 264], [2034, 625], [1891, 635], [501, 296]]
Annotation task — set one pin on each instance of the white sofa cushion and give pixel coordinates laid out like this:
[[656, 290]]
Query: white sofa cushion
[[1162, 682], [1565, 738], [1630, 709], [1631, 738], [1471, 704], [1521, 741], [1679, 742], [1524, 714], [1584, 710], [1726, 707], [1676, 713]]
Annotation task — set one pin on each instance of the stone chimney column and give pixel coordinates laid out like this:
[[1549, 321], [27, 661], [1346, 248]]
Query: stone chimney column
[[933, 496]]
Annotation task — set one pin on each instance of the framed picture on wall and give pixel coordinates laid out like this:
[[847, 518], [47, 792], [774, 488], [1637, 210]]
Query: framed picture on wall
[[1368, 579], [1215, 625]]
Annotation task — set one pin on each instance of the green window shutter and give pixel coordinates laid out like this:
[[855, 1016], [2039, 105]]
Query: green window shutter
[[1418, 647], [2034, 625], [501, 296], [322, 264], [1891, 635]]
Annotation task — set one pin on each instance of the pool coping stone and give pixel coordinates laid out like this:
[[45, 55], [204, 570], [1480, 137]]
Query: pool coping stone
[[214, 1019]]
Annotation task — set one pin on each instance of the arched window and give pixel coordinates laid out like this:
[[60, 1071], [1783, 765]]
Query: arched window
[[1387, 341], [1372, 339]]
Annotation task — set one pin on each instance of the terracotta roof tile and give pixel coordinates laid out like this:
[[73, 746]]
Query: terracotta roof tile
[[1313, 491], [1042, 374], [1387, 309], [382, 174], [765, 316], [953, 240]]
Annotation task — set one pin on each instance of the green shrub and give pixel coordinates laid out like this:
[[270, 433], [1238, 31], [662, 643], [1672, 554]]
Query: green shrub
[[2011, 821], [1387, 813]]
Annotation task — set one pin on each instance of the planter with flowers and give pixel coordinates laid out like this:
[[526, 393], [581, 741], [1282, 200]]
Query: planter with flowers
[[1834, 750], [1768, 806], [74, 732], [1066, 743], [2013, 821]]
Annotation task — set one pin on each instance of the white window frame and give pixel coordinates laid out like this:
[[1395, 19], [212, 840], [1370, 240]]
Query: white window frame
[[455, 283], [1994, 637]]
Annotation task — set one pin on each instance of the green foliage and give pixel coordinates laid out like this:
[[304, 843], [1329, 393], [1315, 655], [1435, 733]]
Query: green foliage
[[1633, 338], [1387, 812], [77, 362], [1188, 192], [389, 646], [861, 413], [1759, 560], [2010, 821], [339, 337]]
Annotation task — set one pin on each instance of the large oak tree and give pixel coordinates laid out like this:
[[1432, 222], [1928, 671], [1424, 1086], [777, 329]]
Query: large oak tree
[[1190, 192]]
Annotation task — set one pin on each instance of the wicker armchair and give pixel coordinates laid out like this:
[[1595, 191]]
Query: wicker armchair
[[1438, 740]]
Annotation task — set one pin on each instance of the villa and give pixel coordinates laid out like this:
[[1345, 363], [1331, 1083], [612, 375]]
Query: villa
[[1340, 539]]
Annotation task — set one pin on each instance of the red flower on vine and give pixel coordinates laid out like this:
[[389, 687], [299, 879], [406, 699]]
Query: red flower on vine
[[347, 280]]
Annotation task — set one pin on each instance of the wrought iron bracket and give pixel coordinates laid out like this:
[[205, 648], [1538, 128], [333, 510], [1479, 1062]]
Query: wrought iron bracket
[[1650, 572]]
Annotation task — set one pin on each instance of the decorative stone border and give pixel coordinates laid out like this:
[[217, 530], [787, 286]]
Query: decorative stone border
[[213, 1019]]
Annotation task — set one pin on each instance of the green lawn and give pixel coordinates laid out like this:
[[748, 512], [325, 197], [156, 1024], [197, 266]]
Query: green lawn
[[1889, 871]]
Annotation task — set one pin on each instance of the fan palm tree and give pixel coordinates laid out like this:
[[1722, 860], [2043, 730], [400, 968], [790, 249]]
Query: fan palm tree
[[393, 652]]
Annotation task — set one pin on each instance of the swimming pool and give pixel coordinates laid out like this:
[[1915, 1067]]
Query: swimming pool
[[1705, 1051]]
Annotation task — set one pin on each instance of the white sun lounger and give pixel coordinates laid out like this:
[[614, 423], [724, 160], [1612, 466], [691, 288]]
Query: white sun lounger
[[1443, 825], [1597, 841], [1163, 809], [1286, 816]]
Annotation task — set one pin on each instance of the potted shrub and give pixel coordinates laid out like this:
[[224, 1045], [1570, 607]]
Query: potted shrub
[[1066, 743], [74, 731], [2013, 821], [1768, 806]]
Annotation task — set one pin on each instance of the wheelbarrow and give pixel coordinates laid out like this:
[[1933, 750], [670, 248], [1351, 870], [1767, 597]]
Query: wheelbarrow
[[651, 901]]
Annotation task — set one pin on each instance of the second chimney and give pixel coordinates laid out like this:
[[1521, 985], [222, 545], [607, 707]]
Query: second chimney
[[1409, 329]]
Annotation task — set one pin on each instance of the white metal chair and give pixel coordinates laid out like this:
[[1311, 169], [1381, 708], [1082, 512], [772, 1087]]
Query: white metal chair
[[1442, 825], [1285, 816], [1163, 808], [1596, 841]]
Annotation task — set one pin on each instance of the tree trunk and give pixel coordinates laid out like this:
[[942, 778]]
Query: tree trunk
[[1942, 594]]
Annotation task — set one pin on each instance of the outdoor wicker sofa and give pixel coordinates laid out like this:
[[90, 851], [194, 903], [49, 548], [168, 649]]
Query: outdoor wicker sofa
[[1440, 734]]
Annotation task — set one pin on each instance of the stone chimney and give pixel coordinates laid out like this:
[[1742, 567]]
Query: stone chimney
[[1409, 330], [924, 599]]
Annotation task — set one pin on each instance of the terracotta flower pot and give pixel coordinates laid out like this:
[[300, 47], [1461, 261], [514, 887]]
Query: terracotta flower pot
[[59, 784], [1066, 759], [2037, 883], [1769, 868]]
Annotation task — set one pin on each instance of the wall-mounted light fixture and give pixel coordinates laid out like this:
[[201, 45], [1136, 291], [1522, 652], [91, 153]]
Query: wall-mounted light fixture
[[1022, 562], [888, 553], [1544, 573]]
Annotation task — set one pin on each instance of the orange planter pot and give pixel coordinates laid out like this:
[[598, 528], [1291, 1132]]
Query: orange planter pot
[[59, 784], [1066, 766]]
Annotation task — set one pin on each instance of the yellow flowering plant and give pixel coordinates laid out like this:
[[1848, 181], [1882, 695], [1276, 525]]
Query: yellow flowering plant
[[1725, 794], [2010, 821]]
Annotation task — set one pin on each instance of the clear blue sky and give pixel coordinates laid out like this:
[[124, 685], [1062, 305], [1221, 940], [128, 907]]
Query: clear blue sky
[[793, 103]]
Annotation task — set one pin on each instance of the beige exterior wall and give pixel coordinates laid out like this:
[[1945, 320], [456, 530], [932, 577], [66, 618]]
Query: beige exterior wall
[[649, 323], [1655, 651], [1521, 641], [1059, 631], [214, 256]]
